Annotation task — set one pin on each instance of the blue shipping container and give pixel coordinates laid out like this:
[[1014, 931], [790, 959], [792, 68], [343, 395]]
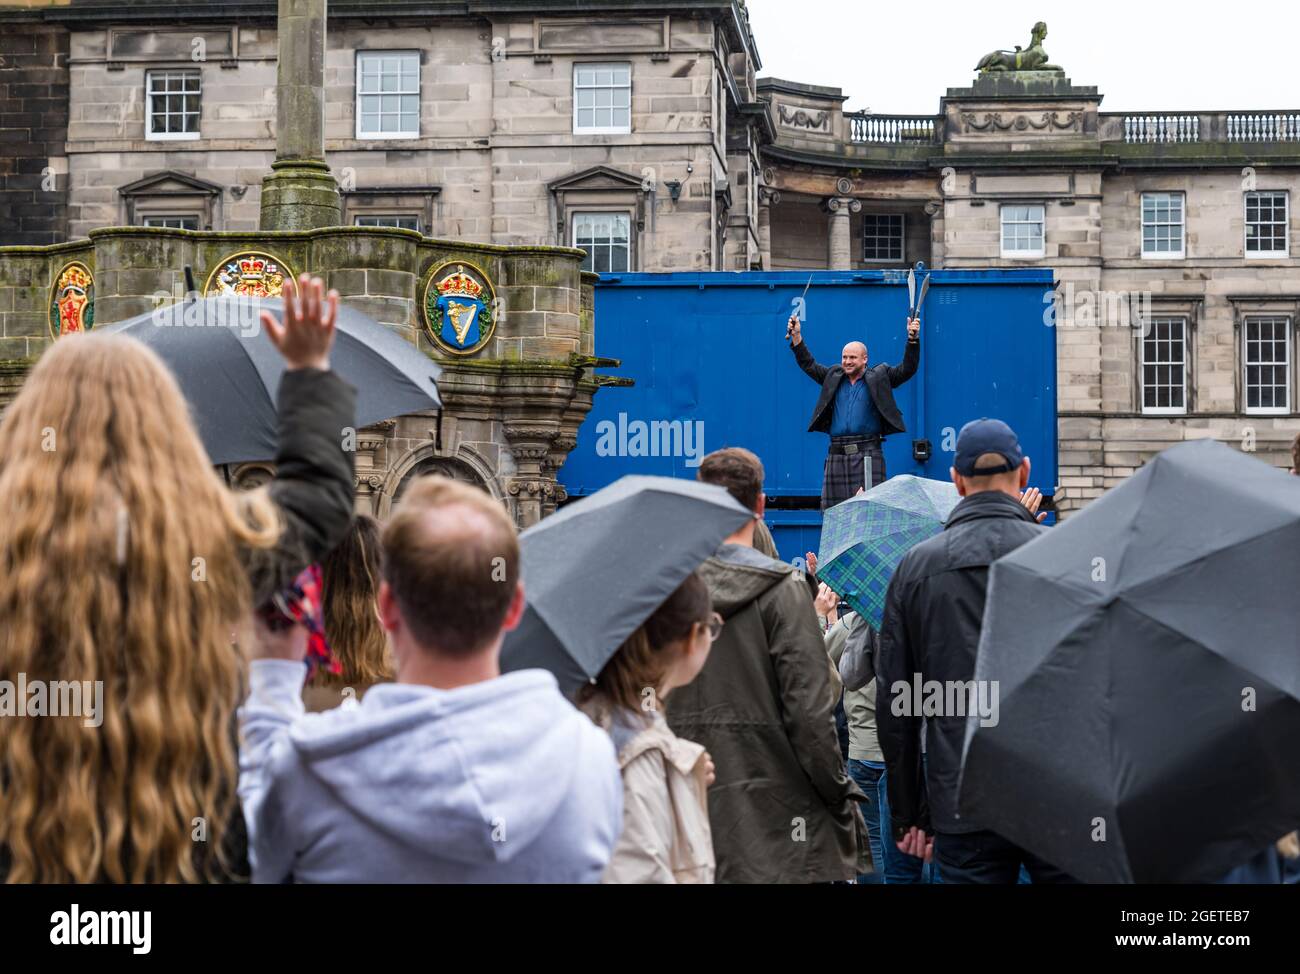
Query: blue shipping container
[[712, 369]]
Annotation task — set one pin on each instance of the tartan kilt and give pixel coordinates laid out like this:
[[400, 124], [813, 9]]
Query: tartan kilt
[[843, 475]]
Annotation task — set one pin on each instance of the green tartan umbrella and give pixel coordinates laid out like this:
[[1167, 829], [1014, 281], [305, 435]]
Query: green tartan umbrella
[[865, 537]]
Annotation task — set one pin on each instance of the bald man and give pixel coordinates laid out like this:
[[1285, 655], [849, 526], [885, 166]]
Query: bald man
[[856, 407]]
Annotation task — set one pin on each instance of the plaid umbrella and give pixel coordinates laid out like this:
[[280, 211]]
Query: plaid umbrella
[[865, 537]]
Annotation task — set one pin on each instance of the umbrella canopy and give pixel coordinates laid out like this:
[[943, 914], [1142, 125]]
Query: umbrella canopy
[[865, 537], [594, 571], [1147, 658], [229, 371]]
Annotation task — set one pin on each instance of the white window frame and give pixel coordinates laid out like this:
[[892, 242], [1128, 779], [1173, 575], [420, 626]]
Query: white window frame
[[405, 215], [576, 217], [1186, 364], [902, 238], [147, 220], [149, 133], [1181, 253], [579, 129], [358, 94], [1041, 251], [1286, 225], [1287, 364]]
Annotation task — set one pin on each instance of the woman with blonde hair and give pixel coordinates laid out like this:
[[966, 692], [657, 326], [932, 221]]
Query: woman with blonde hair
[[127, 566], [666, 836], [350, 576]]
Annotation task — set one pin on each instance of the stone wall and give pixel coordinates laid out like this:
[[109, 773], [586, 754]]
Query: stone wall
[[33, 126], [510, 411], [496, 129]]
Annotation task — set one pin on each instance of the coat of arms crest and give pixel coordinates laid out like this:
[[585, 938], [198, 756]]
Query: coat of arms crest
[[250, 275], [459, 308], [72, 300]]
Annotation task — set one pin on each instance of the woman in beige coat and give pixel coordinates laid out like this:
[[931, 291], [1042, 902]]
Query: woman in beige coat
[[666, 837]]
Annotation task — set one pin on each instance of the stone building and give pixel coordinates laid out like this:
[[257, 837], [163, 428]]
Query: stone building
[[629, 128], [1169, 234], [641, 133]]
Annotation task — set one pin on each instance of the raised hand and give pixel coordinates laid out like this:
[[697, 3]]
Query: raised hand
[[792, 331], [913, 328], [307, 334], [1032, 499], [826, 602]]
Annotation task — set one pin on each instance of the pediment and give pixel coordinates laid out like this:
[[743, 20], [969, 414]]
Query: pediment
[[170, 183], [598, 178]]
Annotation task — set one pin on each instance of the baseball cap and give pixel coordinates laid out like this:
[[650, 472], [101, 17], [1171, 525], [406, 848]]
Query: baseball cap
[[981, 436]]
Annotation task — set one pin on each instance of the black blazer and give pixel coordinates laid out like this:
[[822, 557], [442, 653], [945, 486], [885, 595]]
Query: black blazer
[[881, 381]]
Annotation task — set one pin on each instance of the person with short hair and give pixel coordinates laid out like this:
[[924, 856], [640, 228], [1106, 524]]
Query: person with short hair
[[782, 808], [856, 407], [934, 609], [455, 772]]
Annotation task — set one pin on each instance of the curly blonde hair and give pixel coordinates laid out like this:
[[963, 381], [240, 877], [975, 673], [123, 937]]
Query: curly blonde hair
[[120, 562]]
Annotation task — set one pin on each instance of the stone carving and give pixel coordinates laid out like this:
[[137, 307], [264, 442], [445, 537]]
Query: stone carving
[[248, 274], [534, 488], [459, 307], [803, 118], [1021, 123], [1033, 59], [72, 300], [844, 186]]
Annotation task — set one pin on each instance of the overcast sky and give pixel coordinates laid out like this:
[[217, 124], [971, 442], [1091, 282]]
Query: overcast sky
[[899, 58]]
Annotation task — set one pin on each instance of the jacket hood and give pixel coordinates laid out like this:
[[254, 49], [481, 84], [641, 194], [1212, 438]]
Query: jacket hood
[[737, 575], [475, 774]]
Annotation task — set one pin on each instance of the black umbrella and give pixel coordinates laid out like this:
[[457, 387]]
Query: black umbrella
[[1147, 659], [597, 569], [229, 371]]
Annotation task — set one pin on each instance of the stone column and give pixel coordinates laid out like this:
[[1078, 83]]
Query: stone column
[[300, 193], [841, 240], [371, 444], [767, 198]]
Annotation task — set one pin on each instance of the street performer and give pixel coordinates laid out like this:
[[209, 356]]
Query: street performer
[[856, 407]]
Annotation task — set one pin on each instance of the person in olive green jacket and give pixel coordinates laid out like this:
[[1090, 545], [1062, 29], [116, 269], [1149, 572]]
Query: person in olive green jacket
[[782, 809]]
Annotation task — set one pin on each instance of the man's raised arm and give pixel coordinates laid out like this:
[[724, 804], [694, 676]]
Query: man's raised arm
[[898, 374], [801, 354]]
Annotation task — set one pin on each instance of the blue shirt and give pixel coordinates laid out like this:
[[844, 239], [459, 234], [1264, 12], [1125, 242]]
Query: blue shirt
[[855, 413]]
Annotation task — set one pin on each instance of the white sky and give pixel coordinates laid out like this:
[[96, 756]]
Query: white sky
[[899, 58]]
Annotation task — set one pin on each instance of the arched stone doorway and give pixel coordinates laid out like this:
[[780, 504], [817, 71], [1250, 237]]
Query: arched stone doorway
[[421, 463]]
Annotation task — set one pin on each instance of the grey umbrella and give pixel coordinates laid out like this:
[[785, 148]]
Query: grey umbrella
[[1147, 658], [597, 569], [229, 371]]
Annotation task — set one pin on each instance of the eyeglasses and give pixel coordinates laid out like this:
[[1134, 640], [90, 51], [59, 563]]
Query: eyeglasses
[[715, 627]]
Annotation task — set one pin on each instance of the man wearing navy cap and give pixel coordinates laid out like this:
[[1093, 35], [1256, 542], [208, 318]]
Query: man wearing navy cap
[[933, 613], [856, 407]]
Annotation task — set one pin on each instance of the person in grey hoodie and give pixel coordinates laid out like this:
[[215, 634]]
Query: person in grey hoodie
[[454, 773]]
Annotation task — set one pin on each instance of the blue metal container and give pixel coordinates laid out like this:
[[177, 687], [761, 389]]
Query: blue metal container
[[712, 368]]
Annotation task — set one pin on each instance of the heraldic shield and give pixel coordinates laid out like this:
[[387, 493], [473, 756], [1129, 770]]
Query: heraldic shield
[[458, 308]]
